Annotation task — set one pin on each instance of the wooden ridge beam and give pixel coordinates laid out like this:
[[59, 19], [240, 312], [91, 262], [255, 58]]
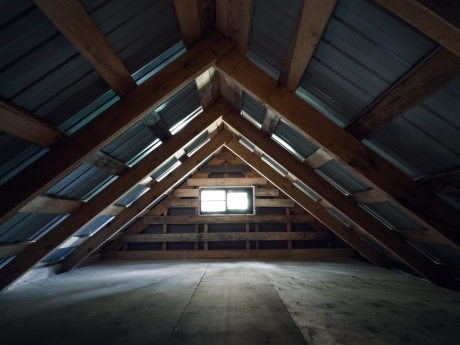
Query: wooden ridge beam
[[229, 254], [198, 182], [347, 207], [77, 26], [436, 19], [315, 209], [143, 202], [310, 26], [108, 196], [427, 209], [228, 236], [431, 75], [43, 173], [222, 219]]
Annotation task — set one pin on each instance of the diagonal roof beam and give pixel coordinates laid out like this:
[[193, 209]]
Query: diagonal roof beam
[[312, 207], [70, 152], [310, 26], [428, 209], [431, 75], [134, 210], [351, 210], [108, 196], [188, 16], [77, 26], [234, 19], [436, 19]]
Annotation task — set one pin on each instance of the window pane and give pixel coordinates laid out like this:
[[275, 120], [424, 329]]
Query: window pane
[[237, 201], [212, 195], [212, 206]]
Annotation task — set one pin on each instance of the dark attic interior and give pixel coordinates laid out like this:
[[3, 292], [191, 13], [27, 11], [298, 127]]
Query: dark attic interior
[[230, 172]]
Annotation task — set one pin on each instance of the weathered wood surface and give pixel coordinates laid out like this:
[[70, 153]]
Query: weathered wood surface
[[154, 122], [229, 236], [77, 26], [310, 26], [224, 219], [318, 158], [188, 17], [43, 173], [431, 75], [225, 168], [258, 203], [198, 182], [194, 193], [428, 209], [368, 197], [270, 121], [229, 254], [105, 162]]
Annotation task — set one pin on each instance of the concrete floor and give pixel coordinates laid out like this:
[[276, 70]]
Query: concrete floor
[[230, 302]]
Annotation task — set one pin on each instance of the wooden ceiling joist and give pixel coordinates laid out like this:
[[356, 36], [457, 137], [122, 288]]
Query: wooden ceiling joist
[[108, 196], [426, 208], [431, 75], [310, 26], [134, 210], [77, 26], [436, 19], [314, 208], [228, 236], [357, 215], [57, 162]]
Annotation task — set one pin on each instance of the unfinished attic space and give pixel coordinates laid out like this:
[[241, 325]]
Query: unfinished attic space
[[230, 172]]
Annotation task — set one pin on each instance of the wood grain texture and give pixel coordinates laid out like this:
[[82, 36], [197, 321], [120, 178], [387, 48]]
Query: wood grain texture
[[229, 254], [77, 26], [225, 219], [44, 172], [270, 121], [431, 75], [154, 122], [318, 158], [105, 162], [108, 196], [368, 197], [309, 29], [357, 215], [436, 19], [227, 236], [143, 202], [426, 208], [239, 23], [198, 182], [19, 123], [188, 17]]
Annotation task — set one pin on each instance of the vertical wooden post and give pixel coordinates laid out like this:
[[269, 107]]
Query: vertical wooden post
[[205, 231], [165, 230], [288, 228], [248, 244], [257, 228], [197, 229]]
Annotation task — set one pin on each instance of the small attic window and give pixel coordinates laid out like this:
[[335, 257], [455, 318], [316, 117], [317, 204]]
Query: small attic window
[[226, 200]]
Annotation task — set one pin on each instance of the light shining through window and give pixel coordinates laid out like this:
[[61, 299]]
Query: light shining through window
[[226, 200], [237, 201]]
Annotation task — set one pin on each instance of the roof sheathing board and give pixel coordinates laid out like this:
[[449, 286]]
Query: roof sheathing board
[[273, 25], [363, 51]]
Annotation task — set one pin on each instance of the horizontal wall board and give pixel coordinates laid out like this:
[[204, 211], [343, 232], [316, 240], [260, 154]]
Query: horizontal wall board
[[227, 219]]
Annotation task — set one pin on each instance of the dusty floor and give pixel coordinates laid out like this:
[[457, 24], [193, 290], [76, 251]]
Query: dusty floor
[[230, 302]]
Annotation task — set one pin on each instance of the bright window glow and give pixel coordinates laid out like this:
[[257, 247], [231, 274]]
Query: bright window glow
[[213, 195], [213, 206], [237, 201]]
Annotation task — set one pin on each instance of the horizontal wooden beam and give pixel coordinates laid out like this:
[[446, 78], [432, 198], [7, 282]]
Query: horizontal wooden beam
[[443, 182], [227, 219], [194, 193], [310, 26], [54, 205], [218, 182], [12, 249], [225, 168], [368, 197], [436, 19], [157, 190], [77, 26], [229, 254], [227, 236], [17, 122], [44, 172], [225, 155], [258, 203], [429, 210], [431, 75]]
